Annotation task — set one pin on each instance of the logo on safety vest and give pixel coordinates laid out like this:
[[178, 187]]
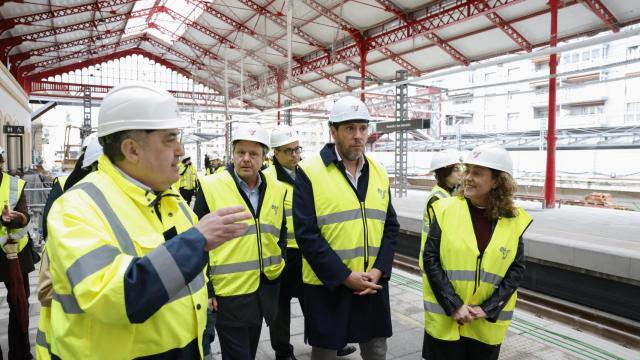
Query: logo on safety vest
[[382, 193], [505, 252], [275, 208]]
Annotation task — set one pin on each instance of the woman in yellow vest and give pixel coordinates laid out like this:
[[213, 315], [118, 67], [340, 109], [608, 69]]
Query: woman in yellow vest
[[447, 169], [474, 261]]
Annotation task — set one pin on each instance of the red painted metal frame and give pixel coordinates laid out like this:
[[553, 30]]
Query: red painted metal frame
[[30, 19], [509, 30], [550, 175], [46, 87], [603, 13]]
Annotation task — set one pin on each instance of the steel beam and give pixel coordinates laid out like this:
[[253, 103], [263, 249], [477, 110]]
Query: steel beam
[[603, 13], [30, 19], [503, 25]]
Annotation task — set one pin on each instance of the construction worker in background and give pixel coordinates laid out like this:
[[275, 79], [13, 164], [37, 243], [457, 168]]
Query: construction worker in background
[[246, 271], [127, 262], [87, 163], [218, 165], [14, 240], [474, 261], [447, 169], [188, 179], [346, 229], [208, 168]]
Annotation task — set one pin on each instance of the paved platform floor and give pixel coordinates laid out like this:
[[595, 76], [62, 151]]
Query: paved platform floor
[[530, 337]]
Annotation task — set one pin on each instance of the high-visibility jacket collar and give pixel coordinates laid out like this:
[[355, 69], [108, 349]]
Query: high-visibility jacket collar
[[136, 190]]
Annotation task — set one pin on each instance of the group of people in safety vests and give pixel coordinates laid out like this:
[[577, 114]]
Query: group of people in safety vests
[[131, 270]]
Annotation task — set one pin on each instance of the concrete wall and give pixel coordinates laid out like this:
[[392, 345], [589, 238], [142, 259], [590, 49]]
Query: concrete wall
[[14, 110]]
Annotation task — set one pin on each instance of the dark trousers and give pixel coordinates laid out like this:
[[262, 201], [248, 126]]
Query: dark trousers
[[187, 194], [290, 287], [238, 342], [19, 347], [463, 349]]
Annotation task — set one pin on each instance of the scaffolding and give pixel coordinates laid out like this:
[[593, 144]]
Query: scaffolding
[[85, 130], [402, 137]]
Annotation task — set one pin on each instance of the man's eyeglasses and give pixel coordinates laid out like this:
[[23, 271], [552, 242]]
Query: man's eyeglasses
[[290, 151]]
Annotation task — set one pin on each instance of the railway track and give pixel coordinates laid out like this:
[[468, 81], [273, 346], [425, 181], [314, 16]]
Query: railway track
[[615, 328]]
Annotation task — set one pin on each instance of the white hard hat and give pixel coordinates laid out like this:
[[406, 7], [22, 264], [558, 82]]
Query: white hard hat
[[283, 135], [92, 151], [445, 158], [1, 151], [491, 156], [138, 107], [349, 108], [88, 139], [251, 132]]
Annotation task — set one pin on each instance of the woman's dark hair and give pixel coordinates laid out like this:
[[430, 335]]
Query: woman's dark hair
[[442, 174]]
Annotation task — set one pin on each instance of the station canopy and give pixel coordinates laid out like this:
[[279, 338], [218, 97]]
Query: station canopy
[[302, 49]]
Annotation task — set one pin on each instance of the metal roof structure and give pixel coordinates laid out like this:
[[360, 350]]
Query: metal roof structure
[[279, 49]]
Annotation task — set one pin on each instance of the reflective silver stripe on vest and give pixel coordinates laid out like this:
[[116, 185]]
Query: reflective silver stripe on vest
[[461, 275], [183, 207], [13, 192], [339, 217], [90, 263], [69, 303], [440, 194], [425, 228], [245, 265], [168, 270], [505, 315], [349, 254], [490, 278], [196, 284], [17, 234], [470, 275], [433, 308], [375, 214], [270, 229], [126, 244], [41, 339], [288, 212], [291, 236]]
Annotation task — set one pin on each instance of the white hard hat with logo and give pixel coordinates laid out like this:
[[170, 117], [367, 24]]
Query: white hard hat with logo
[[491, 156], [92, 152], [283, 135], [138, 107], [444, 158], [349, 108], [251, 132]]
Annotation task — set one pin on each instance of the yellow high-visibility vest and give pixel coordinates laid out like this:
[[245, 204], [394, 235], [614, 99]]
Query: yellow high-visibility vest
[[237, 264], [474, 277], [10, 192], [188, 179], [352, 228], [288, 207], [438, 193], [101, 225]]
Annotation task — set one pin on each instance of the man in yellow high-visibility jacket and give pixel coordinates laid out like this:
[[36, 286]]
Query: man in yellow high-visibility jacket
[[127, 258], [346, 229]]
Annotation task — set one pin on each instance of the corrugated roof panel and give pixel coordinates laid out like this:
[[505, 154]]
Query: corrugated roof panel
[[499, 41], [386, 69], [429, 58], [363, 14]]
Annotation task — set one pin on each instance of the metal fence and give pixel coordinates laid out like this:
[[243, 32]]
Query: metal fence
[[36, 191]]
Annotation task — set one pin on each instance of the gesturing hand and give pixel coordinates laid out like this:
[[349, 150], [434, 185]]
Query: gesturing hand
[[222, 225]]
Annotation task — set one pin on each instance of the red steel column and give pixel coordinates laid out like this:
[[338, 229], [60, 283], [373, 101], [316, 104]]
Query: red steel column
[[279, 79], [363, 66], [550, 176]]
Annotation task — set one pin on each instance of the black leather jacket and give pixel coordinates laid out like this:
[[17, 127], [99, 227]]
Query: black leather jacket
[[443, 289]]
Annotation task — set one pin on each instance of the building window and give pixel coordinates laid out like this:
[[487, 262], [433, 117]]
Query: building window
[[490, 76], [510, 94], [542, 66], [633, 52], [513, 73], [540, 112], [632, 112], [512, 119], [541, 89], [591, 109]]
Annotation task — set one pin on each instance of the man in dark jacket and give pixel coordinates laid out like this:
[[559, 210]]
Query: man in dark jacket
[[346, 229]]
